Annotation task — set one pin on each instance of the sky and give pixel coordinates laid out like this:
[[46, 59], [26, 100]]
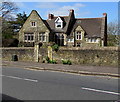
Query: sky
[[81, 9]]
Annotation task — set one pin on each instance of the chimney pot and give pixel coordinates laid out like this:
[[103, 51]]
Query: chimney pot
[[104, 14], [71, 10], [50, 16]]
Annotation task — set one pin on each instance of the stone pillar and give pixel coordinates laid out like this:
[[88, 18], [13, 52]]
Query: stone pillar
[[36, 52], [65, 39], [102, 43], [50, 53]]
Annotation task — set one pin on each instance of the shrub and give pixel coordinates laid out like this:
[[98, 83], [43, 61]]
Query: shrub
[[53, 62], [66, 62], [50, 61], [47, 59], [69, 62], [55, 47]]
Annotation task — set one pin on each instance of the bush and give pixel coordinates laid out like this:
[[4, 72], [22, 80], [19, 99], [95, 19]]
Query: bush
[[53, 62], [69, 62], [10, 42], [66, 62], [50, 61], [55, 47], [47, 59]]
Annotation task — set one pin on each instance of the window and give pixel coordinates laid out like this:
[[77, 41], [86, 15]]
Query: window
[[70, 40], [92, 40], [33, 24], [42, 37], [29, 37], [95, 39], [78, 44], [78, 36], [58, 23]]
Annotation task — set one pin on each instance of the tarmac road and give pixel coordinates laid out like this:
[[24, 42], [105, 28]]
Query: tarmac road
[[23, 84]]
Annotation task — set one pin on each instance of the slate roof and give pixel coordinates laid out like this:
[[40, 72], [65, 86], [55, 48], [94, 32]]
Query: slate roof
[[51, 24], [91, 26]]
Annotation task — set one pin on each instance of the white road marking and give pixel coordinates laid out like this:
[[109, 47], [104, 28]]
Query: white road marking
[[14, 77], [31, 80], [115, 93]]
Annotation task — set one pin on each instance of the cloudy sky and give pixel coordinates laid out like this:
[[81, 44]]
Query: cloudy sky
[[82, 9]]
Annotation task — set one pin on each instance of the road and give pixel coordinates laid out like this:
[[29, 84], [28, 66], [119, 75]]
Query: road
[[24, 84]]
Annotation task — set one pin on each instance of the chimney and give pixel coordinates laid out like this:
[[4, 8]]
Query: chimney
[[71, 10], [104, 14], [71, 14], [50, 16]]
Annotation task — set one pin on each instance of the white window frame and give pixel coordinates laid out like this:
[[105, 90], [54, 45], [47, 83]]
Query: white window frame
[[92, 40], [27, 36], [57, 21], [41, 36], [71, 40], [78, 35], [33, 23]]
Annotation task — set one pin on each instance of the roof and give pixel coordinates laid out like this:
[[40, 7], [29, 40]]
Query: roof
[[91, 26], [51, 23]]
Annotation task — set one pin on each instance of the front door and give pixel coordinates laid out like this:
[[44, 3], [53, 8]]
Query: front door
[[59, 39]]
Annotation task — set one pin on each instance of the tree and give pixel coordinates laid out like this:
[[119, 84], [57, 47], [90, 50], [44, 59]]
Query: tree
[[18, 22], [7, 30], [21, 18], [7, 9], [113, 36]]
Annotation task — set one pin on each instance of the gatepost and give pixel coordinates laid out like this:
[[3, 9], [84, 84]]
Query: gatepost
[[50, 55], [36, 51]]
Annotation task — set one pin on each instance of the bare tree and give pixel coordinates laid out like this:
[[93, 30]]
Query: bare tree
[[7, 9], [113, 36], [113, 28]]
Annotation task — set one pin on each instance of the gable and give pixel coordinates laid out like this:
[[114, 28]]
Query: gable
[[65, 20], [40, 26], [58, 20], [91, 26], [79, 28]]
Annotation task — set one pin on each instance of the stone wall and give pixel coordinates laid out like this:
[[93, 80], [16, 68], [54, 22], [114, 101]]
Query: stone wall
[[103, 56], [107, 56], [24, 54]]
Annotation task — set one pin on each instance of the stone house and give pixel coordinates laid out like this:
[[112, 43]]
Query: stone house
[[64, 30]]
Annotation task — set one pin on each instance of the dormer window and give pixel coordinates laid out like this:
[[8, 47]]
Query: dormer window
[[58, 23]]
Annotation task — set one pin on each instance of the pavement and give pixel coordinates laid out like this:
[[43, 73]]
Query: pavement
[[76, 69]]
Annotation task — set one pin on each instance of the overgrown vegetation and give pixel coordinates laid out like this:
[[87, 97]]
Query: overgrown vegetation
[[55, 47], [67, 62], [50, 61]]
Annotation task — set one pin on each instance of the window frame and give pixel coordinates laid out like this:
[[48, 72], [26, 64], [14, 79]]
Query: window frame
[[29, 37], [33, 23], [78, 44], [92, 40], [58, 21], [42, 37], [78, 35]]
